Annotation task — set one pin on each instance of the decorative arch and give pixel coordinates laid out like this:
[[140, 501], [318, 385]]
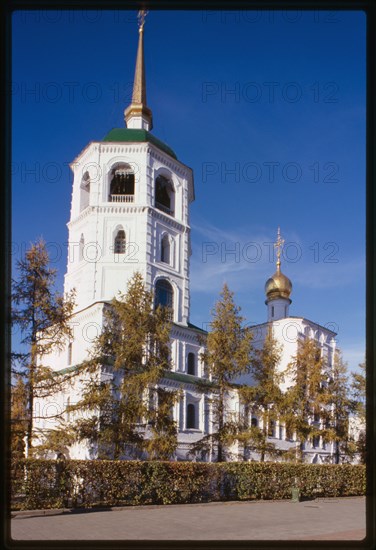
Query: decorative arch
[[81, 247], [307, 332], [119, 241], [166, 249], [121, 183], [316, 459], [85, 191], [164, 294], [164, 194], [63, 454]]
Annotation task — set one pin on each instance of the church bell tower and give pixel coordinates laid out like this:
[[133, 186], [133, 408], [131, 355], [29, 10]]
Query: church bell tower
[[130, 211]]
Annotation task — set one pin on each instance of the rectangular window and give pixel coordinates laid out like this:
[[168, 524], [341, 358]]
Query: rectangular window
[[271, 428], [191, 419], [289, 434], [70, 345]]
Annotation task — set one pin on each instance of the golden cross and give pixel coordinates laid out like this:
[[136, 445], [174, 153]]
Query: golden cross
[[141, 18], [278, 245]]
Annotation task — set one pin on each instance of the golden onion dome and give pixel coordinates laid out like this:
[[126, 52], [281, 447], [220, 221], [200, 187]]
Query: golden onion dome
[[278, 286]]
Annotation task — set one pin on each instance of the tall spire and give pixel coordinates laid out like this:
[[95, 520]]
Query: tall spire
[[138, 114]]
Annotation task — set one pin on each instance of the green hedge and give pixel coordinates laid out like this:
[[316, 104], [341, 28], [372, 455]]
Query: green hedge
[[40, 484]]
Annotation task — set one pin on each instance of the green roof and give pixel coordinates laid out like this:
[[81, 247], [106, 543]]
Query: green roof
[[66, 370], [178, 376], [187, 378], [195, 327], [139, 136]]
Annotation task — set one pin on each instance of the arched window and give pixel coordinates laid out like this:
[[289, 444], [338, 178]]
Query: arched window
[[81, 248], [164, 294], [254, 422], [119, 244], [165, 249], [191, 416], [122, 184], [191, 363], [85, 191], [164, 195]]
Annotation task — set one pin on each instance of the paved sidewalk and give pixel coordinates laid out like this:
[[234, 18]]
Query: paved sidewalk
[[331, 519]]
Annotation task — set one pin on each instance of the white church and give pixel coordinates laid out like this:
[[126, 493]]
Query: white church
[[130, 212]]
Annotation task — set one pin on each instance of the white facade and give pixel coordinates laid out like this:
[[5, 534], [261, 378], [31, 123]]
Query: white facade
[[94, 268], [130, 212], [288, 332], [155, 243]]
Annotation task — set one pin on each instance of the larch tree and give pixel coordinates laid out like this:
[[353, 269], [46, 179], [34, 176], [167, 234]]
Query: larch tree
[[337, 409], [303, 401], [122, 408], [263, 398], [358, 388], [18, 417], [42, 315], [162, 440], [358, 406], [228, 355]]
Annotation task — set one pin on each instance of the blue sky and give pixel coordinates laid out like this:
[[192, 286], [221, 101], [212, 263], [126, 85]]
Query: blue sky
[[267, 108]]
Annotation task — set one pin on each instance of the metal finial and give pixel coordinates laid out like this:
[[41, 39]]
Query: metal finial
[[141, 19], [278, 245]]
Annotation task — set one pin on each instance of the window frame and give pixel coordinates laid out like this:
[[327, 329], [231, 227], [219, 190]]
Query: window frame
[[120, 242], [127, 172], [167, 186], [191, 409], [169, 289], [165, 239]]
